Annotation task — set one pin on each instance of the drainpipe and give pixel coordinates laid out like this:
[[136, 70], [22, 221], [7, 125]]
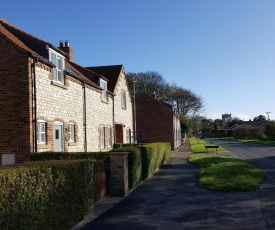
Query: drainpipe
[[84, 117], [34, 105], [114, 128]]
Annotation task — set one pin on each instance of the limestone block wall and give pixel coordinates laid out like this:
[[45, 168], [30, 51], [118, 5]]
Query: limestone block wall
[[123, 116], [57, 103], [99, 113]]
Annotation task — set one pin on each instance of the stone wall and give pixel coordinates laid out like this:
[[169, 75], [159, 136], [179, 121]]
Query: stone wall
[[64, 103], [123, 116]]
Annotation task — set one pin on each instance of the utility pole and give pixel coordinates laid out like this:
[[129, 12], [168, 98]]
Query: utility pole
[[268, 115]]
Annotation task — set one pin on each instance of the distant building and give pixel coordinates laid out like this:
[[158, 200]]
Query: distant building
[[226, 117]]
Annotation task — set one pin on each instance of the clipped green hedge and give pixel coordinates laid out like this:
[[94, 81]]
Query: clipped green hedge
[[45, 156], [154, 155], [134, 165], [123, 145], [143, 161], [45, 195]]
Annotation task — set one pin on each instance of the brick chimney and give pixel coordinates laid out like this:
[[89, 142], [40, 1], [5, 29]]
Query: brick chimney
[[65, 47]]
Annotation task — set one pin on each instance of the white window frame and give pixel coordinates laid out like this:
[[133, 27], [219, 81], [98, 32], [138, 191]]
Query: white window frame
[[58, 70], [71, 132], [103, 85], [102, 137], [41, 132], [123, 99], [109, 136]]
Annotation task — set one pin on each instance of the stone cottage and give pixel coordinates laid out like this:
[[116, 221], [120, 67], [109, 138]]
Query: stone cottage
[[50, 103]]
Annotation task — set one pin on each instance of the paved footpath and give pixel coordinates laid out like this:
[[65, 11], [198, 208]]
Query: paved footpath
[[171, 199]]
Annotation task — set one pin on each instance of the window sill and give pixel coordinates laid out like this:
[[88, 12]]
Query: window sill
[[43, 146], [72, 144], [104, 101], [58, 84]]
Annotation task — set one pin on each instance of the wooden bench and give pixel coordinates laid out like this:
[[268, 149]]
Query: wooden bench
[[212, 147]]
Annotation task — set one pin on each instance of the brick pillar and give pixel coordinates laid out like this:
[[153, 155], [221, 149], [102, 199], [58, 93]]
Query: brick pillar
[[119, 173]]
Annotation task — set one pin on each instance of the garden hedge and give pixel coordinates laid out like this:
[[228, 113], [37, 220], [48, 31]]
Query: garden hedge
[[143, 161], [45, 195], [134, 165], [45, 156], [154, 155]]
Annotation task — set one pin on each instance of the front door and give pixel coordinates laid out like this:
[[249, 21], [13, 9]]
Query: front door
[[58, 138]]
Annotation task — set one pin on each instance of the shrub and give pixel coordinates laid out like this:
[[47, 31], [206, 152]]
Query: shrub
[[153, 155], [134, 165], [45, 156], [45, 195], [219, 133], [123, 145], [248, 132], [270, 130], [143, 161]]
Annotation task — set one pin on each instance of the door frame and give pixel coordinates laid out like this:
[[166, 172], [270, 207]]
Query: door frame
[[58, 123]]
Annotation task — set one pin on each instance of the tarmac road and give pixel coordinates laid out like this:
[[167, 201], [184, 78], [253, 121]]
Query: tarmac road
[[171, 199], [264, 157]]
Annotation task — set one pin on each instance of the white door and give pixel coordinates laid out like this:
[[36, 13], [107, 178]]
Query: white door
[[58, 137]]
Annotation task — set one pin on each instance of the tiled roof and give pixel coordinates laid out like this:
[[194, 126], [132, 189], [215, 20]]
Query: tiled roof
[[111, 72], [70, 67], [38, 48], [164, 104], [35, 44]]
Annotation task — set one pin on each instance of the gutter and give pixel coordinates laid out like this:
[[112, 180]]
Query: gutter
[[34, 104], [114, 127], [84, 116]]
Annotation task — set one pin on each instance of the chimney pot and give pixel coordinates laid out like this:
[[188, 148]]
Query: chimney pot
[[67, 44], [61, 43]]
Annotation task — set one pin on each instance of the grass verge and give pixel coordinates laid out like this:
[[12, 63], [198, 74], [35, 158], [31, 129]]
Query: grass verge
[[271, 143], [198, 146], [227, 174]]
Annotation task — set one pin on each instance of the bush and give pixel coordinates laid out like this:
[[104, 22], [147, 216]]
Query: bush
[[45, 156], [143, 161], [153, 155], [219, 133], [45, 195], [270, 130], [123, 145], [134, 165], [248, 132]]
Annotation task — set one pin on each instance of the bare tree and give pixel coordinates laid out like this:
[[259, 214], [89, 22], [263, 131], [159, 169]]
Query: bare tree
[[149, 82], [186, 101]]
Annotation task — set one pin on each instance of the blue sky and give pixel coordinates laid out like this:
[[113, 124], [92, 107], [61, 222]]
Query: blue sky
[[224, 50]]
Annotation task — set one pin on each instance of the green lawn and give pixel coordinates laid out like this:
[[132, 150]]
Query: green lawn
[[227, 174], [272, 143], [198, 146]]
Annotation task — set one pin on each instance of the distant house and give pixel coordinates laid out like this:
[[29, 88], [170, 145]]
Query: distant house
[[50, 103], [157, 121], [233, 124]]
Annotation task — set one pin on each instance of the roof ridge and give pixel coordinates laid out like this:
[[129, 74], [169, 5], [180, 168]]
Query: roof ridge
[[160, 102], [85, 69], [6, 23]]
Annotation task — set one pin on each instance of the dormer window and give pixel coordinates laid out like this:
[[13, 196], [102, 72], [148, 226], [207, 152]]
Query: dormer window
[[58, 61], [103, 85]]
